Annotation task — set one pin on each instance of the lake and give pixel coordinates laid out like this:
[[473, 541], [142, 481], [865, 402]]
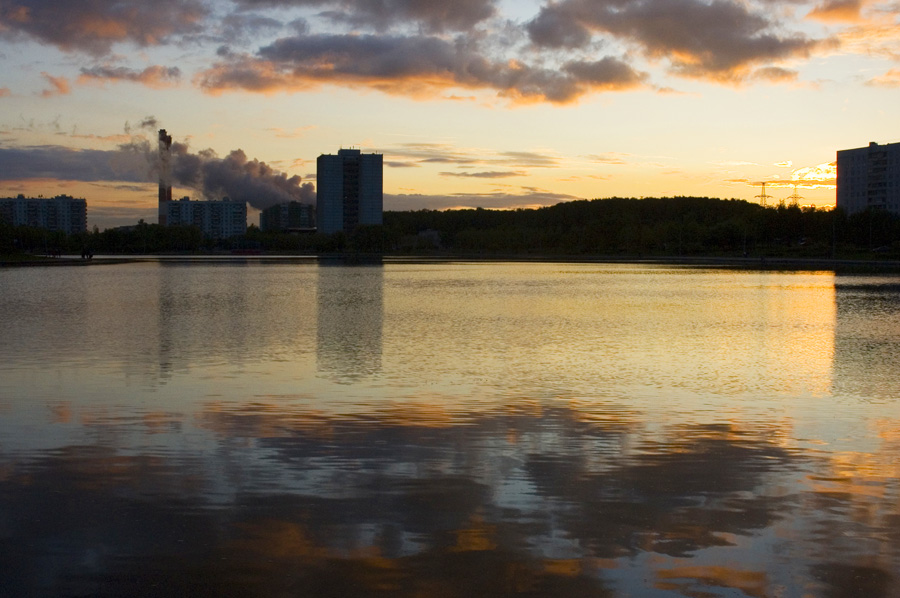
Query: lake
[[304, 428]]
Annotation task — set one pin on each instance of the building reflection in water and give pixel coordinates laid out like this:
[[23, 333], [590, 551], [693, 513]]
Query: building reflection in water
[[866, 332], [231, 483], [350, 318]]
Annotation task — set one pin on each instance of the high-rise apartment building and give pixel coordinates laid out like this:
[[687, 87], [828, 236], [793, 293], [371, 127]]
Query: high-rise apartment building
[[288, 216], [348, 190], [869, 177], [60, 213], [215, 219]]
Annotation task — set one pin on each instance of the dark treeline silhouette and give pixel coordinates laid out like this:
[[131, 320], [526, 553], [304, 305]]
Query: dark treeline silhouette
[[145, 238], [649, 227], [675, 226]]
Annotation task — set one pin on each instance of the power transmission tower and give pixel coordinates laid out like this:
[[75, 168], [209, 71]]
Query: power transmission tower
[[795, 197], [763, 197]]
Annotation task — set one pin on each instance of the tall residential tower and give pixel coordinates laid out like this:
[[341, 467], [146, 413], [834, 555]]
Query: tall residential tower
[[349, 190], [869, 177]]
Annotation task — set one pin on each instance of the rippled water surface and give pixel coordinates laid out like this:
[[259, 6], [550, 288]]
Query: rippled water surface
[[448, 429]]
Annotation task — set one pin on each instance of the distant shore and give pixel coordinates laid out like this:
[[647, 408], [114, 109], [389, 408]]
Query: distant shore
[[751, 263]]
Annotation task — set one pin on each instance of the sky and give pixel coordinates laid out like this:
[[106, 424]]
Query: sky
[[473, 103]]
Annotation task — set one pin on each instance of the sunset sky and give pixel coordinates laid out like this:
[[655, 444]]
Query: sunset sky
[[491, 103]]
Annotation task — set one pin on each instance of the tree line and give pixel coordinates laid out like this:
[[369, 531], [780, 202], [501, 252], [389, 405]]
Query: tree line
[[674, 226]]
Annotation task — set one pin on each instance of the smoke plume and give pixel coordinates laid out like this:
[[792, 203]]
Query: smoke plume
[[235, 176]]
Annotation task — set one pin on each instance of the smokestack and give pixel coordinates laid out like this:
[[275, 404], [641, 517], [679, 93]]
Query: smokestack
[[165, 178]]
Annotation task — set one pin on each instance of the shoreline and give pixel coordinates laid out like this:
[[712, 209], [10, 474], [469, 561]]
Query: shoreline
[[744, 263]]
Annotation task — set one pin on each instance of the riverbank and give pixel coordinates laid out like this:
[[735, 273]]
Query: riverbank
[[25, 260], [755, 263]]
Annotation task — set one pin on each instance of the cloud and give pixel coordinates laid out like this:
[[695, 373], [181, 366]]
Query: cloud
[[877, 36], [719, 40], [836, 11], [890, 79], [606, 73], [531, 159], [416, 154], [94, 26], [821, 176], [431, 153], [492, 174], [615, 158], [417, 65], [774, 74], [5, 92], [152, 76], [57, 162], [432, 15], [59, 86], [243, 27], [559, 26], [117, 138], [498, 200]]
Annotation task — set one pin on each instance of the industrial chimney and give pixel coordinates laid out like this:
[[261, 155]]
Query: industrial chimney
[[165, 179]]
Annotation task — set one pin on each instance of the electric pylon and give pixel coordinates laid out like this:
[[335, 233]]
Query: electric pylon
[[763, 197]]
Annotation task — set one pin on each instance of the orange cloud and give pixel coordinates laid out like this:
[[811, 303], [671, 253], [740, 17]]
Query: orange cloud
[[837, 11], [93, 27], [617, 158], [821, 176], [814, 177], [153, 76], [59, 86], [877, 36], [413, 66], [490, 174], [775, 74], [722, 42], [890, 79]]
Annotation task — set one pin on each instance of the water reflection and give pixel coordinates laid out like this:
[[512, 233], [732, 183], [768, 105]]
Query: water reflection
[[866, 333], [350, 320], [448, 430], [545, 501]]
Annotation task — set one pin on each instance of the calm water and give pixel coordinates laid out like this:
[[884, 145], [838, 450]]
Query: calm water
[[445, 430]]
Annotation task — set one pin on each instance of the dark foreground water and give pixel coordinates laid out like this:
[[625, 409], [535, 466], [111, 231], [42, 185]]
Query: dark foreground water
[[442, 430]]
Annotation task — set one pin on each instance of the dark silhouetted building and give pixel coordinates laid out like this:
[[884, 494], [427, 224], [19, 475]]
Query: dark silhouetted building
[[869, 177], [61, 213], [291, 216], [348, 190], [215, 219]]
